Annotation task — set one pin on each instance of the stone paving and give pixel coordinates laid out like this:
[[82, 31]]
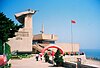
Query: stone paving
[[30, 63]]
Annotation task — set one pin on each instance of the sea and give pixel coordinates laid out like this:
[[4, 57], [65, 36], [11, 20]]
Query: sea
[[91, 53]]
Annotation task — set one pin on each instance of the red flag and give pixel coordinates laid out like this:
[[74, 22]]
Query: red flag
[[73, 21]]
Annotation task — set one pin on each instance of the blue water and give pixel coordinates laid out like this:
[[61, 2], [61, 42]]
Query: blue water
[[92, 52]]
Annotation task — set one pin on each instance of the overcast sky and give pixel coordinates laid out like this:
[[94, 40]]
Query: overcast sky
[[56, 15]]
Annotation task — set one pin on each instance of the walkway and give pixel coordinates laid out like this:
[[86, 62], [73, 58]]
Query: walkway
[[93, 63], [30, 63]]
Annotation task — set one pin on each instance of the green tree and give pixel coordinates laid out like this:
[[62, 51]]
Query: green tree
[[58, 58], [7, 51], [46, 57], [7, 30]]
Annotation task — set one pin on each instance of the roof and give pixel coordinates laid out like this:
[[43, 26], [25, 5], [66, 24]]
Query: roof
[[50, 37]]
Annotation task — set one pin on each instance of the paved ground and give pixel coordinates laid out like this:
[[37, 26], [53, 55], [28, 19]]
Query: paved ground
[[30, 63], [93, 63]]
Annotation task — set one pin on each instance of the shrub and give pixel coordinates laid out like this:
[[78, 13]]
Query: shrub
[[46, 57], [7, 51], [58, 58], [66, 53]]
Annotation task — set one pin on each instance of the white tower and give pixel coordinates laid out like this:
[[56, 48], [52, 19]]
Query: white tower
[[42, 31]]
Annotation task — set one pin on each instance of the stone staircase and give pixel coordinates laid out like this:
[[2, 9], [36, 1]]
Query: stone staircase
[[37, 47]]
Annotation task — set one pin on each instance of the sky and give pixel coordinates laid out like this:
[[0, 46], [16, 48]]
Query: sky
[[56, 15]]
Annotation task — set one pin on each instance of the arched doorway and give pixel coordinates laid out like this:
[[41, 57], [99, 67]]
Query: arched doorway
[[52, 46]]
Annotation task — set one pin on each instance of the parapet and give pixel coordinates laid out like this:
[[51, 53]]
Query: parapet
[[50, 37]]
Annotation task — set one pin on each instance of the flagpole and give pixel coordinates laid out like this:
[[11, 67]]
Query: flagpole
[[71, 38]]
